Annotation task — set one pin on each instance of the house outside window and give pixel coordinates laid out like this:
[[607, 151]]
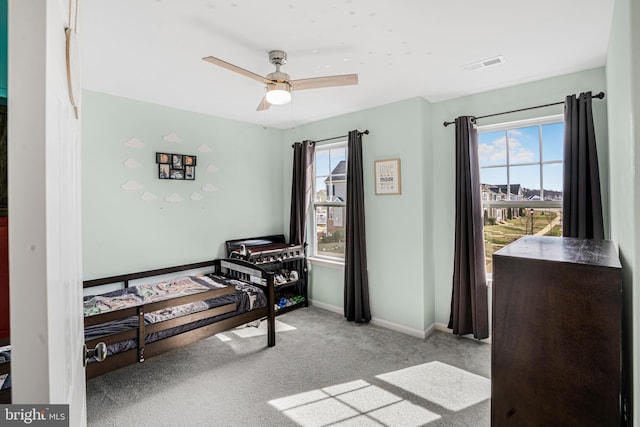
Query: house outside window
[[330, 196], [521, 180]]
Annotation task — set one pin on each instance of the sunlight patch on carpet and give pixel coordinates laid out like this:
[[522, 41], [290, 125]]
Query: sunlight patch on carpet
[[442, 384], [250, 331], [222, 337], [352, 404]]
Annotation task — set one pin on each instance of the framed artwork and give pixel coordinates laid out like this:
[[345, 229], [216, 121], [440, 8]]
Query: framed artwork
[[189, 172], [387, 176], [164, 171], [163, 158], [176, 166], [176, 162]]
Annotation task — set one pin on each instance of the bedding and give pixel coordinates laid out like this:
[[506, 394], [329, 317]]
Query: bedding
[[5, 356], [246, 297], [142, 321]]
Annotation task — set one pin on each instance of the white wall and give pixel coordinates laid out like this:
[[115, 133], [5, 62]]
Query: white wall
[[44, 205]]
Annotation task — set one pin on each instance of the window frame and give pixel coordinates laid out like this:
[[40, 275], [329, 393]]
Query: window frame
[[314, 204], [536, 204], [506, 126]]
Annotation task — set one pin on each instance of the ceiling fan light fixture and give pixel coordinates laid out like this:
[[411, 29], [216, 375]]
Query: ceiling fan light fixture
[[278, 94]]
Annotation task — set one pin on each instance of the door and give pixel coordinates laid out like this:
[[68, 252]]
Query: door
[[45, 243]]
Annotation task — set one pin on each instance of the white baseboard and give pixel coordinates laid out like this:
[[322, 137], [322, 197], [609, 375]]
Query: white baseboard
[[380, 322]]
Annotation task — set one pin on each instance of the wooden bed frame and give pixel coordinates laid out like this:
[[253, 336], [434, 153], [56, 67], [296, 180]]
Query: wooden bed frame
[[235, 268]]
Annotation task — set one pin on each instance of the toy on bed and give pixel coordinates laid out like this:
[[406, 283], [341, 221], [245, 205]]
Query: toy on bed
[[138, 322]]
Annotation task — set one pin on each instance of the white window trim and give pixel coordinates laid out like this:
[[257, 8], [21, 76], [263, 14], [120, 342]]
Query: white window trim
[[542, 204], [337, 263], [545, 120], [315, 258]]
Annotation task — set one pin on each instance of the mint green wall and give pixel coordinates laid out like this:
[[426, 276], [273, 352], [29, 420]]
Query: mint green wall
[[122, 232], [395, 224], [623, 90], [428, 202], [442, 180], [421, 229], [409, 237]]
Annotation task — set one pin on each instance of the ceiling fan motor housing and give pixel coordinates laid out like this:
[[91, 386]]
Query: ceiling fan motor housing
[[278, 77], [278, 57]]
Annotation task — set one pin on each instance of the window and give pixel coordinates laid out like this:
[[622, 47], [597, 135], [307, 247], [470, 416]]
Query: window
[[521, 180], [330, 196]]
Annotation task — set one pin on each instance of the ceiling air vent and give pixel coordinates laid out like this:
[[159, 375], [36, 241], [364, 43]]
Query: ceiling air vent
[[484, 63]]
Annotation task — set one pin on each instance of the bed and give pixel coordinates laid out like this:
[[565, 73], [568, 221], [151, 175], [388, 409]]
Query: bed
[[146, 316], [5, 365]]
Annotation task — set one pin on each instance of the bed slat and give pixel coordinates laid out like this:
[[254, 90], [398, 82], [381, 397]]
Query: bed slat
[[114, 338], [194, 335], [200, 296], [183, 320], [148, 273], [109, 316]]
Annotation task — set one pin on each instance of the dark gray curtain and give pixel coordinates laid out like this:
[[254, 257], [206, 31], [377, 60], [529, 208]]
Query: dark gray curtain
[[356, 280], [581, 203], [469, 307], [301, 187]]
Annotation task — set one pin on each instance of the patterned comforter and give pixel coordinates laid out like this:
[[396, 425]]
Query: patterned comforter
[[246, 297], [5, 356]]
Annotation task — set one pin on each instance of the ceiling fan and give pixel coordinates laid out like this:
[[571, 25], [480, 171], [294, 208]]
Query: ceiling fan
[[279, 85]]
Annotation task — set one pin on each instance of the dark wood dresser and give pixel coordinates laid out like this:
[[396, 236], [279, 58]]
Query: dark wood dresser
[[556, 333]]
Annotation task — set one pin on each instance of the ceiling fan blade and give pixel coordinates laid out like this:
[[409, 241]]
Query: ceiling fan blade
[[235, 68], [264, 105], [318, 82]]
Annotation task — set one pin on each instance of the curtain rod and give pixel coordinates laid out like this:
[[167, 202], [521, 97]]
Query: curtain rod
[[366, 132], [599, 95]]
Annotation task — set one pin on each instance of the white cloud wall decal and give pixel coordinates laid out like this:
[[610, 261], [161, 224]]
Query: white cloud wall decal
[[132, 185], [134, 143], [173, 198], [212, 168], [172, 137], [205, 149], [132, 164], [148, 197], [196, 196], [209, 188]]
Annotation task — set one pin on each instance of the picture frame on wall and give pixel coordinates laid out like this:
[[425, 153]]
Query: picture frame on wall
[[163, 158], [176, 166], [189, 172], [176, 174], [388, 177], [164, 171], [176, 162]]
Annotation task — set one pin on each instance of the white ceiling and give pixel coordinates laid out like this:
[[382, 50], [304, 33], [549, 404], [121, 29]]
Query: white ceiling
[[152, 50]]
